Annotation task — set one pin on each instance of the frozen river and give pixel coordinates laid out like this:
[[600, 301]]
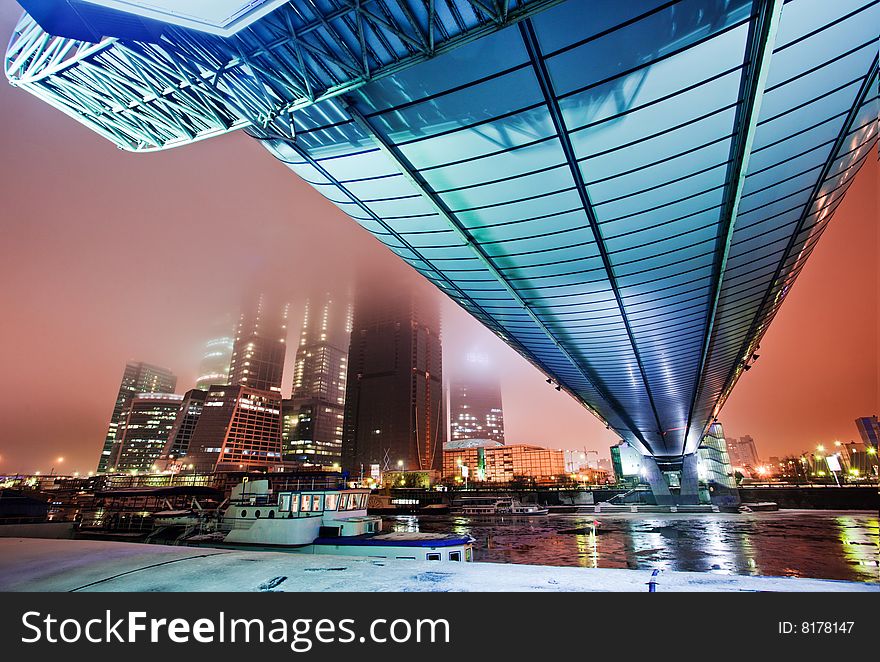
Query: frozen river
[[795, 543]]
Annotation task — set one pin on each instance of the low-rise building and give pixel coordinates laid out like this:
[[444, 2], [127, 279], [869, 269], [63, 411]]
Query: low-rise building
[[490, 461]]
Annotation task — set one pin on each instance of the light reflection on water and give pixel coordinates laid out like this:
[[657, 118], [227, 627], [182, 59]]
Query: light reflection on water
[[820, 544]]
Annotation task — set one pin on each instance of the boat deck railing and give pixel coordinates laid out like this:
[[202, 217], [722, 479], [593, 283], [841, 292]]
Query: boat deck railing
[[301, 483]]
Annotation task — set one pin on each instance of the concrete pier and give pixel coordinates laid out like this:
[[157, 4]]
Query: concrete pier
[[662, 495], [86, 565]]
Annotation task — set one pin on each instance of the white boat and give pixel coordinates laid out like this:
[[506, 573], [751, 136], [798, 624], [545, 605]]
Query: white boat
[[492, 506], [328, 521]]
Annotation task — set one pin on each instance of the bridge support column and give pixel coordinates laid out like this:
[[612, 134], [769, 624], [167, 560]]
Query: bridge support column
[[690, 482], [655, 479]]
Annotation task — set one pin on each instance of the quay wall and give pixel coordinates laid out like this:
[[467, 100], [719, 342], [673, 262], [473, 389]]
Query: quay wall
[[817, 498], [37, 530]]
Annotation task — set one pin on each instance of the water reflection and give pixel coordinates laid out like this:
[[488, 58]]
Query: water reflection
[[828, 545]]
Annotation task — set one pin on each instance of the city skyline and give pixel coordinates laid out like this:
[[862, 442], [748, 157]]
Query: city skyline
[[144, 332]]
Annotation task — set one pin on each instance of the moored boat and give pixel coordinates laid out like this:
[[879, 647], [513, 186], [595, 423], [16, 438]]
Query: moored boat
[[324, 521], [494, 506]]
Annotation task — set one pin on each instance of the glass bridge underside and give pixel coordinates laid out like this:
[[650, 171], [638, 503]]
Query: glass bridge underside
[[624, 192]]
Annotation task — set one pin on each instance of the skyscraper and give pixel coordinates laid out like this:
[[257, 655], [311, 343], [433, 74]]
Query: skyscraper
[[187, 417], [314, 414], [258, 351], [137, 378], [240, 424], [143, 432], [475, 402], [214, 368], [394, 403], [742, 452], [869, 430]]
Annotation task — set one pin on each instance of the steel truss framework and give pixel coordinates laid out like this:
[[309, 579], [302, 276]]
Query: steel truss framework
[[191, 85], [631, 227]]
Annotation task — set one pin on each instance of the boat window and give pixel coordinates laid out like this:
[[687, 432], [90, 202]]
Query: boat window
[[294, 503], [244, 513], [343, 502], [433, 556], [331, 501], [271, 514], [407, 558], [316, 503], [257, 514], [455, 556], [467, 554], [284, 503], [306, 503]]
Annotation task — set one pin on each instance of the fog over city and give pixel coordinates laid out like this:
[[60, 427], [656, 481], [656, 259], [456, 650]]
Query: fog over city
[[108, 256]]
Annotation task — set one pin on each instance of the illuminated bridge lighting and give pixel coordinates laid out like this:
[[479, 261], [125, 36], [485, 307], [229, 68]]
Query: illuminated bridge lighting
[[624, 192]]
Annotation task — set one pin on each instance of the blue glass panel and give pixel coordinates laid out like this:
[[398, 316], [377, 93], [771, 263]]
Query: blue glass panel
[[512, 189], [640, 43], [506, 133], [465, 107]]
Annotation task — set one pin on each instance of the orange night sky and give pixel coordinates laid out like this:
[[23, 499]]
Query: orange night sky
[[108, 256]]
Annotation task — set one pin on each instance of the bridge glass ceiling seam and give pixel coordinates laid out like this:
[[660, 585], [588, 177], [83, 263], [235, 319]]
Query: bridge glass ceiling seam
[[854, 58], [629, 333], [500, 172]]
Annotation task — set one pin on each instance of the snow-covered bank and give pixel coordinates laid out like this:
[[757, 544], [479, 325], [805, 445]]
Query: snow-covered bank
[[84, 565]]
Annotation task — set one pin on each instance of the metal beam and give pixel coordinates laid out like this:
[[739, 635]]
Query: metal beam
[[419, 183], [493, 323], [530, 40], [753, 336], [241, 72], [759, 49]]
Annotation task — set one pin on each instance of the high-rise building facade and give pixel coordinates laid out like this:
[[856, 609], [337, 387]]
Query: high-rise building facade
[[185, 425], [138, 377], [475, 403], [394, 404], [214, 368], [260, 345], [743, 452], [239, 428], [143, 432], [869, 431], [714, 466], [314, 414]]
